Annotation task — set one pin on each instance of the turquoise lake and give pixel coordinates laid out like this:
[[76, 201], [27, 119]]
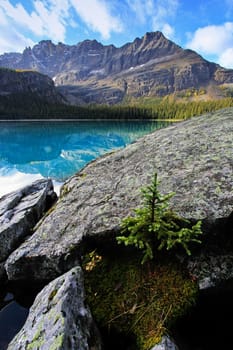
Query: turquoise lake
[[32, 150]]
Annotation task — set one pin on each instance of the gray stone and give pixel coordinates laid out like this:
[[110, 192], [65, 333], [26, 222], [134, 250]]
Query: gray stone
[[59, 318], [210, 270], [165, 344], [20, 211], [193, 158]]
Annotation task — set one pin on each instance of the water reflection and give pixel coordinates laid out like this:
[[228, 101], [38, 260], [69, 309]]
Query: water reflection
[[8, 329], [15, 301], [60, 149]]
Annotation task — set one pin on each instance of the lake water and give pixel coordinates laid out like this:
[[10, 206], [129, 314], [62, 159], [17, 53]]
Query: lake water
[[32, 150]]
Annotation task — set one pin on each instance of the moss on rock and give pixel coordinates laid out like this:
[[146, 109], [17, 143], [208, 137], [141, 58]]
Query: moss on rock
[[137, 301]]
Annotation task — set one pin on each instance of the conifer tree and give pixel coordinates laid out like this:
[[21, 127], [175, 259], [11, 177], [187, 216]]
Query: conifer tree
[[155, 226]]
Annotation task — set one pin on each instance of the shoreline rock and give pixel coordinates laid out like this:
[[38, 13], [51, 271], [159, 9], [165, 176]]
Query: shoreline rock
[[19, 212], [59, 318], [192, 158]]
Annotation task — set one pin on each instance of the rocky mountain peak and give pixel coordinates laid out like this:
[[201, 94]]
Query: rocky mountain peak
[[90, 45], [46, 43], [44, 48], [153, 36], [156, 39], [92, 72]]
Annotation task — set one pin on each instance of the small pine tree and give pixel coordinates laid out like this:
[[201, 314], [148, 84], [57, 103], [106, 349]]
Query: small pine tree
[[154, 226]]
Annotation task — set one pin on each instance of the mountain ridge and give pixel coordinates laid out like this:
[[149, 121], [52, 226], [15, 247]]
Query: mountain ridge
[[151, 66], [26, 90]]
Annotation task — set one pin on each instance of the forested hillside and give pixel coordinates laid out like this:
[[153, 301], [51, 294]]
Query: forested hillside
[[30, 106]]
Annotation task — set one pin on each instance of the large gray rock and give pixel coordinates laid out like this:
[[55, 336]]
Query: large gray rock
[[59, 318], [19, 212], [193, 158]]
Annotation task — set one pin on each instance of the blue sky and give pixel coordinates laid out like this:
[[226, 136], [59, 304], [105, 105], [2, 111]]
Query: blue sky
[[205, 26]]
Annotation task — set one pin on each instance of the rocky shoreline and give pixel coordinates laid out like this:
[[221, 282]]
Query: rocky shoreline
[[194, 159], [19, 212]]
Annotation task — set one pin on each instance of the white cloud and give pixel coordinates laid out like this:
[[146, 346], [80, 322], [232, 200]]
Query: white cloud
[[226, 58], [3, 20], [165, 9], [155, 13], [12, 41], [20, 17], [168, 31], [142, 9], [97, 16], [214, 40], [53, 18], [49, 17]]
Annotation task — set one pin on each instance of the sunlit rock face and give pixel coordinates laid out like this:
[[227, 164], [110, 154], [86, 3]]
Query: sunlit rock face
[[192, 159]]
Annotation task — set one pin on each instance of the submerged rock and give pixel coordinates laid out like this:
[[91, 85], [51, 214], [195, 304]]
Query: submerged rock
[[59, 318], [193, 158], [19, 212]]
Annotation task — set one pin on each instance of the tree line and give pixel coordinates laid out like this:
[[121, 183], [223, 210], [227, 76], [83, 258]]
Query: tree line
[[30, 106]]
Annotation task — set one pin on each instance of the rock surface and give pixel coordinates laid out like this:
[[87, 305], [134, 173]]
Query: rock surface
[[165, 344], [193, 158], [210, 270], [59, 318], [19, 212]]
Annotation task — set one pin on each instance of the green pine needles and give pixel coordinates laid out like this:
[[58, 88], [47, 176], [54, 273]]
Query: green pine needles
[[155, 227]]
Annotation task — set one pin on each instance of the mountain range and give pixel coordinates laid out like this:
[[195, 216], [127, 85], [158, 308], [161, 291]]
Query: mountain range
[[151, 66]]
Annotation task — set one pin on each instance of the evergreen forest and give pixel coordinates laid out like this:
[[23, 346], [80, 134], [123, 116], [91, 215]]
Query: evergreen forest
[[30, 106]]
